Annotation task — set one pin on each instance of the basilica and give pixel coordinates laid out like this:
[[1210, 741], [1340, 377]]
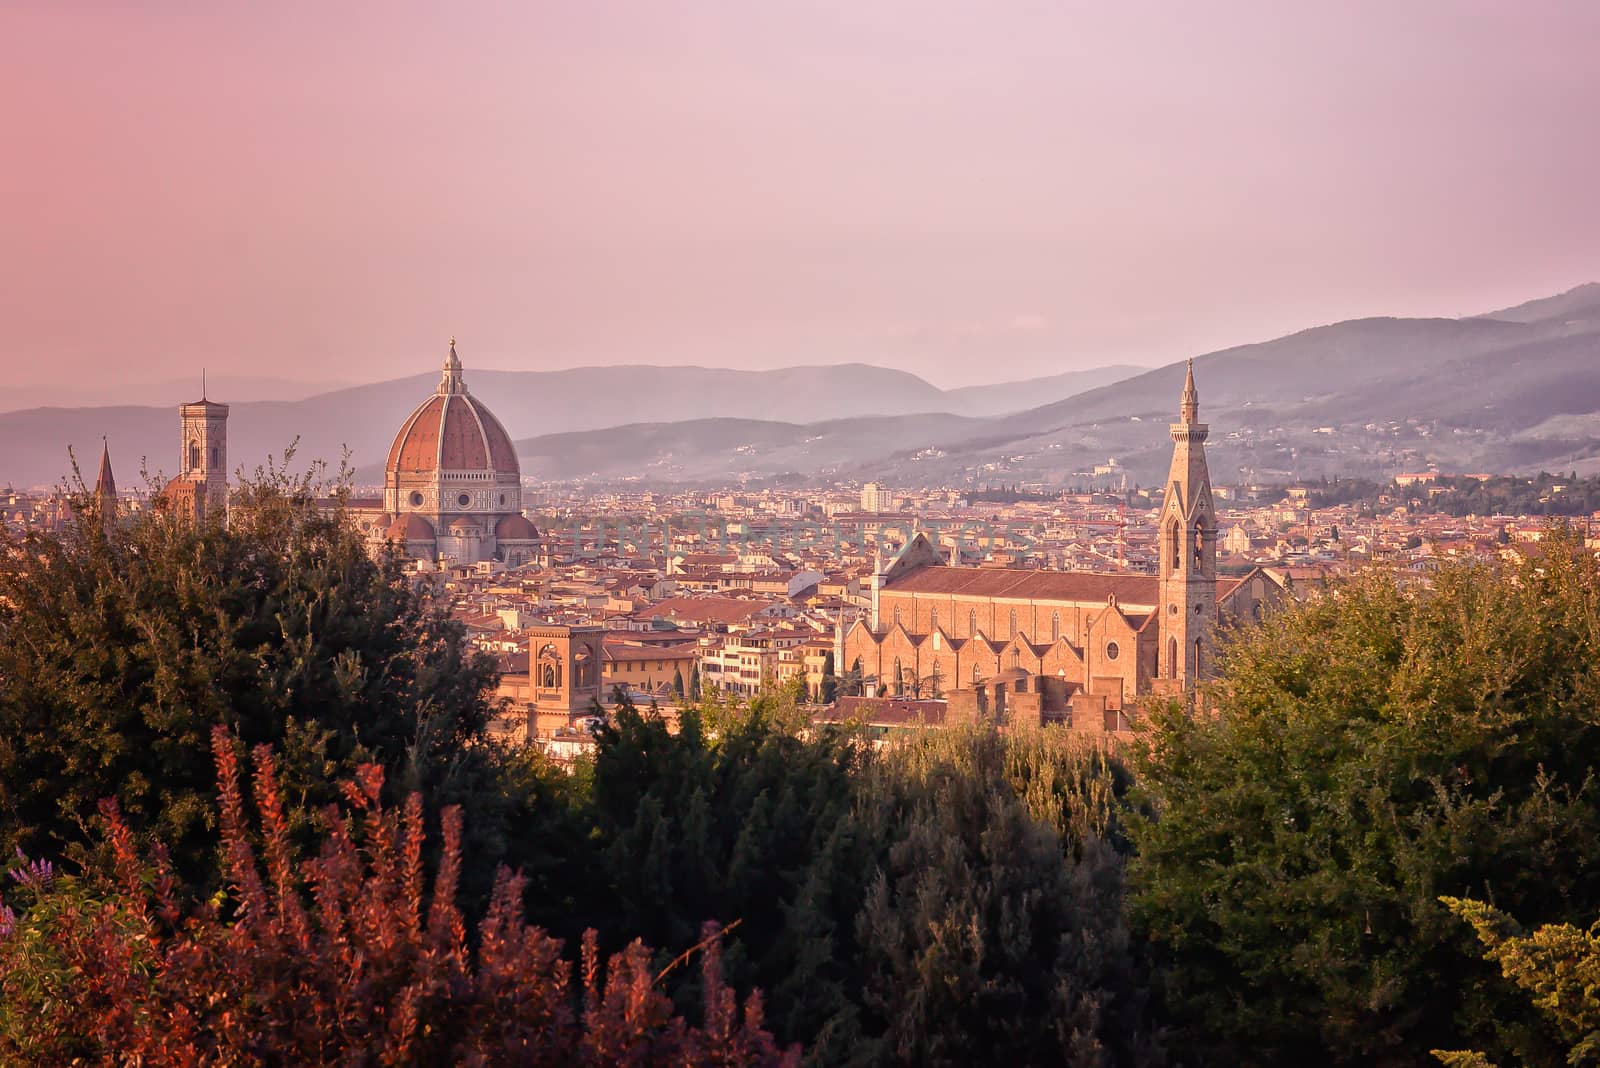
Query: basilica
[[452, 488], [1070, 645]]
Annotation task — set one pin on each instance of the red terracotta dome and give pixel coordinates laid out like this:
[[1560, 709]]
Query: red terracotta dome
[[452, 431], [410, 528], [515, 528]]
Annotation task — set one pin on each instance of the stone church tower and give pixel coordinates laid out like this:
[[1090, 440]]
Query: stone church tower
[[1188, 531], [204, 459], [201, 486]]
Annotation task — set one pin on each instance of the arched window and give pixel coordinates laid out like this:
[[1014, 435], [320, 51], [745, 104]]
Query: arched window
[[1199, 543], [1176, 555], [214, 464], [1013, 621], [933, 619], [549, 668], [194, 456], [897, 615], [1196, 658], [899, 679], [1055, 626], [972, 624], [977, 676], [1172, 657]]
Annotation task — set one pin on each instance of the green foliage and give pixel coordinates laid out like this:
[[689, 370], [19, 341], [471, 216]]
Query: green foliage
[[693, 828], [1558, 964], [783, 708], [993, 929], [1369, 751], [957, 895], [1544, 494], [122, 645]]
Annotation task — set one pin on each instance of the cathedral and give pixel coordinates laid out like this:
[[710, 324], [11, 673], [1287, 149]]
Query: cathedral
[[1078, 646], [452, 487]]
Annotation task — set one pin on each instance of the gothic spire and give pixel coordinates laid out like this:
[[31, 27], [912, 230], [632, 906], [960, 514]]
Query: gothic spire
[[1189, 406], [105, 487]]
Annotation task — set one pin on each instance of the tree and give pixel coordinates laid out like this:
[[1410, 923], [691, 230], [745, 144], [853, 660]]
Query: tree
[[122, 646], [992, 930], [745, 823], [333, 960], [1368, 751], [962, 888], [1558, 965], [830, 682]]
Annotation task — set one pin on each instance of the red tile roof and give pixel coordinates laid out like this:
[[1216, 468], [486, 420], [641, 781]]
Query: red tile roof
[[885, 712], [1012, 583], [1082, 587], [705, 609]]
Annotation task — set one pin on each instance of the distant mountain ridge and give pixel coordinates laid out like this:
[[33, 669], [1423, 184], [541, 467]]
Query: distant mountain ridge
[[1514, 389], [34, 442], [1578, 303], [90, 394], [1511, 390]]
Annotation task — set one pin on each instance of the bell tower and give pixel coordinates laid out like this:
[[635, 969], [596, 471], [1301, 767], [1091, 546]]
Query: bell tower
[[1188, 532], [203, 459]]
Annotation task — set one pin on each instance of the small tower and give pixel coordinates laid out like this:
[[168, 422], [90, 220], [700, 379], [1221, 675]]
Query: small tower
[[105, 488], [450, 381], [203, 459], [1188, 532]]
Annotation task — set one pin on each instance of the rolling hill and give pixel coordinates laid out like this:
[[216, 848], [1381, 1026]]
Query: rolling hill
[[1514, 389], [34, 442], [1511, 390]]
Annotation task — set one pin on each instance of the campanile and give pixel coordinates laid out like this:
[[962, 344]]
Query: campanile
[[1188, 531]]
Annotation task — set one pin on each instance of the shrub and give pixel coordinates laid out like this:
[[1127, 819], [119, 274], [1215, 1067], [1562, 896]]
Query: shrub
[[340, 959]]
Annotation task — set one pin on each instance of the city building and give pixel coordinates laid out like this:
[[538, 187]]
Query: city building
[[876, 499], [562, 683], [452, 488], [1076, 645], [201, 486]]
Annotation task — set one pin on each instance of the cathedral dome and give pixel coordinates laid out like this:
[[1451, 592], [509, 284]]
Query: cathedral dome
[[410, 528], [515, 528], [452, 431]]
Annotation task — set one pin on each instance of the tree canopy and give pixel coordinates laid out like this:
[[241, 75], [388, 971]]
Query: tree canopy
[[1364, 754], [122, 644]]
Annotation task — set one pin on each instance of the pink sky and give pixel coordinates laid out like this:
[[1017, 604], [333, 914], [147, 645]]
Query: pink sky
[[966, 190]]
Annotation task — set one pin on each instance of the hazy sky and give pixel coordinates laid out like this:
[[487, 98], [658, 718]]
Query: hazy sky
[[968, 190]]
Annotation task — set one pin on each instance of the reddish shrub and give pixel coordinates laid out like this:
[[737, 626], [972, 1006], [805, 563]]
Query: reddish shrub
[[331, 960]]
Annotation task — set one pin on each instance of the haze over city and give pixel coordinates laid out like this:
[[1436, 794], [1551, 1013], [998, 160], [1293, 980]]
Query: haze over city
[[969, 192], [848, 533]]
